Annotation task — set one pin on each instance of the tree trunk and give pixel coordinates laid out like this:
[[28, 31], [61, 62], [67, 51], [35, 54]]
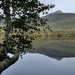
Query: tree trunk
[[8, 62], [6, 8]]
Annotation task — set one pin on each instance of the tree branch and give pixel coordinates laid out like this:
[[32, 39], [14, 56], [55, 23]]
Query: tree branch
[[8, 62]]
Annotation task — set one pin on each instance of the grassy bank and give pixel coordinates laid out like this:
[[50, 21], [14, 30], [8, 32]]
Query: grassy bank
[[55, 35]]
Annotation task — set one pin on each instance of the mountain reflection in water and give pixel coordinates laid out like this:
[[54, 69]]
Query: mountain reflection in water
[[57, 49], [54, 58]]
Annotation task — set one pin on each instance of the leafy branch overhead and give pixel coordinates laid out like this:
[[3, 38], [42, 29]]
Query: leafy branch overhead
[[19, 16], [23, 16]]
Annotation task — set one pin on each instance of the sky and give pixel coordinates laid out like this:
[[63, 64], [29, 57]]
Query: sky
[[66, 6]]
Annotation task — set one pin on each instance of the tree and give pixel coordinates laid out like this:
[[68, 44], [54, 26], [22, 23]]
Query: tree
[[20, 16]]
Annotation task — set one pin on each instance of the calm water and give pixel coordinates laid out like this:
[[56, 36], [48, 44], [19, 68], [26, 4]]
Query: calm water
[[39, 64]]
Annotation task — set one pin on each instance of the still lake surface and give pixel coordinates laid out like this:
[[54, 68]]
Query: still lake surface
[[43, 64]]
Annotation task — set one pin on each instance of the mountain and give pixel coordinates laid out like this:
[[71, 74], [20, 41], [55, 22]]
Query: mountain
[[57, 12], [61, 21]]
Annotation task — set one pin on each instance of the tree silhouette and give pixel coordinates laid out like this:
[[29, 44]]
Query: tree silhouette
[[20, 16]]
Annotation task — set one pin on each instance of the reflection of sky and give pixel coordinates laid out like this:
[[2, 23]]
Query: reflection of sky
[[36, 64], [63, 5]]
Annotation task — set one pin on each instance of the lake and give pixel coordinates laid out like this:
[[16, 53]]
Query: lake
[[49, 58]]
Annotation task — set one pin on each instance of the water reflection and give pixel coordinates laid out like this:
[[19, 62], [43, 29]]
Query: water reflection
[[57, 49], [53, 58], [38, 64]]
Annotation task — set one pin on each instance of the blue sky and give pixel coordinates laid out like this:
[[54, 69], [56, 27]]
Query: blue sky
[[66, 6]]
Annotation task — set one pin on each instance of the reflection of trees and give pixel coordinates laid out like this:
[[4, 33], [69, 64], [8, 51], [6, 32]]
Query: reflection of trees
[[56, 49]]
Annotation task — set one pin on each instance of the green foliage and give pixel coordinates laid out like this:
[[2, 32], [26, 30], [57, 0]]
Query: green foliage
[[24, 16]]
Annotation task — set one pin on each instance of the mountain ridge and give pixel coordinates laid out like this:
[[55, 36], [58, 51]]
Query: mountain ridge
[[57, 12], [61, 21]]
